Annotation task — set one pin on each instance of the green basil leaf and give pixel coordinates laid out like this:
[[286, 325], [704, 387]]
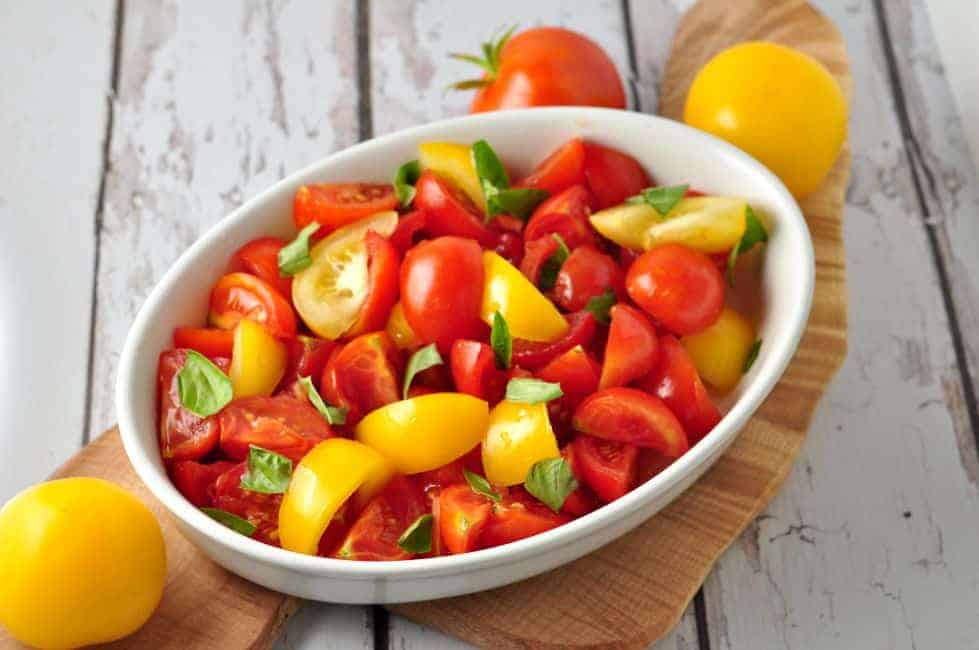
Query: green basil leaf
[[599, 306], [333, 414], [267, 472], [551, 481], [550, 269], [417, 537], [404, 182], [532, 391], [752, 356], [422, 359], [204, 388], [501, 342], [518, 202], [294, 256], [232, 521], [489, 168], [480, 485], [662, 199], [754, 233]]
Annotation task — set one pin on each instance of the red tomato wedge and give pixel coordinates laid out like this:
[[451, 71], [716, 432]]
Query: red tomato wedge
[[462, 516], [281, 424], [374, 535], [519, 515], [448, 211], [536, 255], [242, 295], [259, 509], [534, 354], [474, 371], [209, 341], [383, 265], [363, 375], [577, 373], [183, 435], [410, 230], [632, 349], [606, 466], [565, 214], [612, 175], [632, 416], [196, 480], [582, 500], [260, 257], [561, 169], [586, 274], [337, 204], [307, 358]]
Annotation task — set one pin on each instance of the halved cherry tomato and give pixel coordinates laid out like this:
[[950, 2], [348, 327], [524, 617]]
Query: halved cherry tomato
[[565, 214], [363, 375], [612, 175], [407, 234], [259, 509], [195, 480], [337, 204], [183, 435], [209, 341], [630, 415], [533, 354], [582, 500], [242, 295], [260, 257], [586, 274], [679, 287], [307, 358], [374, 535], [606, 466], [677, 383], [536, 255], [462, 516], [518, 516], [442, 291], [281, 424], [448, 211], [632, 349], [474, 371], [383, 264], [562, 168]]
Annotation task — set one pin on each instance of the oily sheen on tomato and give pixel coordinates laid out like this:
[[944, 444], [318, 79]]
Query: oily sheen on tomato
[[281, 424], [183, 435]]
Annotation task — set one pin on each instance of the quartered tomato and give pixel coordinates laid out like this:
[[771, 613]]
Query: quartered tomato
[[474, 371], [577, 373], [632, 416], [528, 313], [242, 295], [374, 535], [183, 435], [462, 516], [338, 204], [582, 500], [612, 175], [259, 509], [195, 480], [363, 375], [632, 349], [563, 168], [307, 357], [587, 273], [606, 466], [383, 264], [209, 341], [519, 515], [565, 214], [410, 230], [449, 211], [260, 257], [534, 354], [281, 424]]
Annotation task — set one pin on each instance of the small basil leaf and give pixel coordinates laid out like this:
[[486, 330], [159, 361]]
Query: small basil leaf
[[551, 481], [267, 472], [294, 256], [422, 359], [518, 202], [754, 233], [232, 521], [489, 168], [752, 356], [404, 182], [532, 391], [480, 485], [417, 537], [204, 389], [551, 268], [662, 199], [599, 306], [333, 414], [501, 342]]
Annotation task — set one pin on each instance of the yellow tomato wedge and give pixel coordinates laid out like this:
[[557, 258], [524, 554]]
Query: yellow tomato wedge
[[399, 330], [427, 431], [720, 351], [626, 224], [528, 313], [330, 293], [258, 360], [323, 480], [519, 435], [454, 162]]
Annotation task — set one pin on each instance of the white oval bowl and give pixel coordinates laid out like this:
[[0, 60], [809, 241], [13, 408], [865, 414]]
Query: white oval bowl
[[672, 152]]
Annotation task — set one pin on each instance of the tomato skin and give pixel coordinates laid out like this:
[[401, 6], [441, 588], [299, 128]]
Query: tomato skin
[[632, 416], [582, 327], [452, 473], [510, 247], [374, 535], [632, 349], [337, 204], [442, 291], [563, 167], [582, 500], [242, 295], [551, 66], [587, 273], [410, 229], [474, 371], [363, 375], [307, 358], [676, 382], [565, 214], [281, 424], [576, 371], [536, 255], [383, 265], [462, 516], [606, 466], [260, 509], [260, 257], [196, 480], [209, 341], [680, 288], [448, 211], [518, 516], [183, 435], [612, 175]]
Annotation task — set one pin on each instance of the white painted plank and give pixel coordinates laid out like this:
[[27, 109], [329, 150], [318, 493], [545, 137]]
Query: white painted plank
[[322, 626], [216, 101], [53, 88]]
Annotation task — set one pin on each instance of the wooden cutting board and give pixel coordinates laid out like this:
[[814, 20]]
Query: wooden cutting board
[[634, 590]]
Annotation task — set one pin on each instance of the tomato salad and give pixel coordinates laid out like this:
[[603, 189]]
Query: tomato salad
[[452, 361]]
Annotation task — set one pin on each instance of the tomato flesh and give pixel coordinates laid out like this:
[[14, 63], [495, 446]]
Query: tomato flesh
[[260, 257], [632, 349], [209, 341], [281, 424], [383, 264], [242, 295], [374, 535], [561, 169], [474, 371], [536, 255], [462, 516], [183, 434], [259, 509], [632, 416], [307, 358], [612, 175], [196, 480], [363, 375], [606, 466], [582, 500], [518, 516], [337, 204], [586, 274]]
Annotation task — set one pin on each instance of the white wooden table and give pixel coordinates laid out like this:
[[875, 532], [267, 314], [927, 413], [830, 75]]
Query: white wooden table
[[128, 127]]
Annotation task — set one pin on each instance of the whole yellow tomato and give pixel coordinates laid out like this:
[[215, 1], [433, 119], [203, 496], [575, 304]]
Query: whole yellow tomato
[[781, 106], [82, 562]]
